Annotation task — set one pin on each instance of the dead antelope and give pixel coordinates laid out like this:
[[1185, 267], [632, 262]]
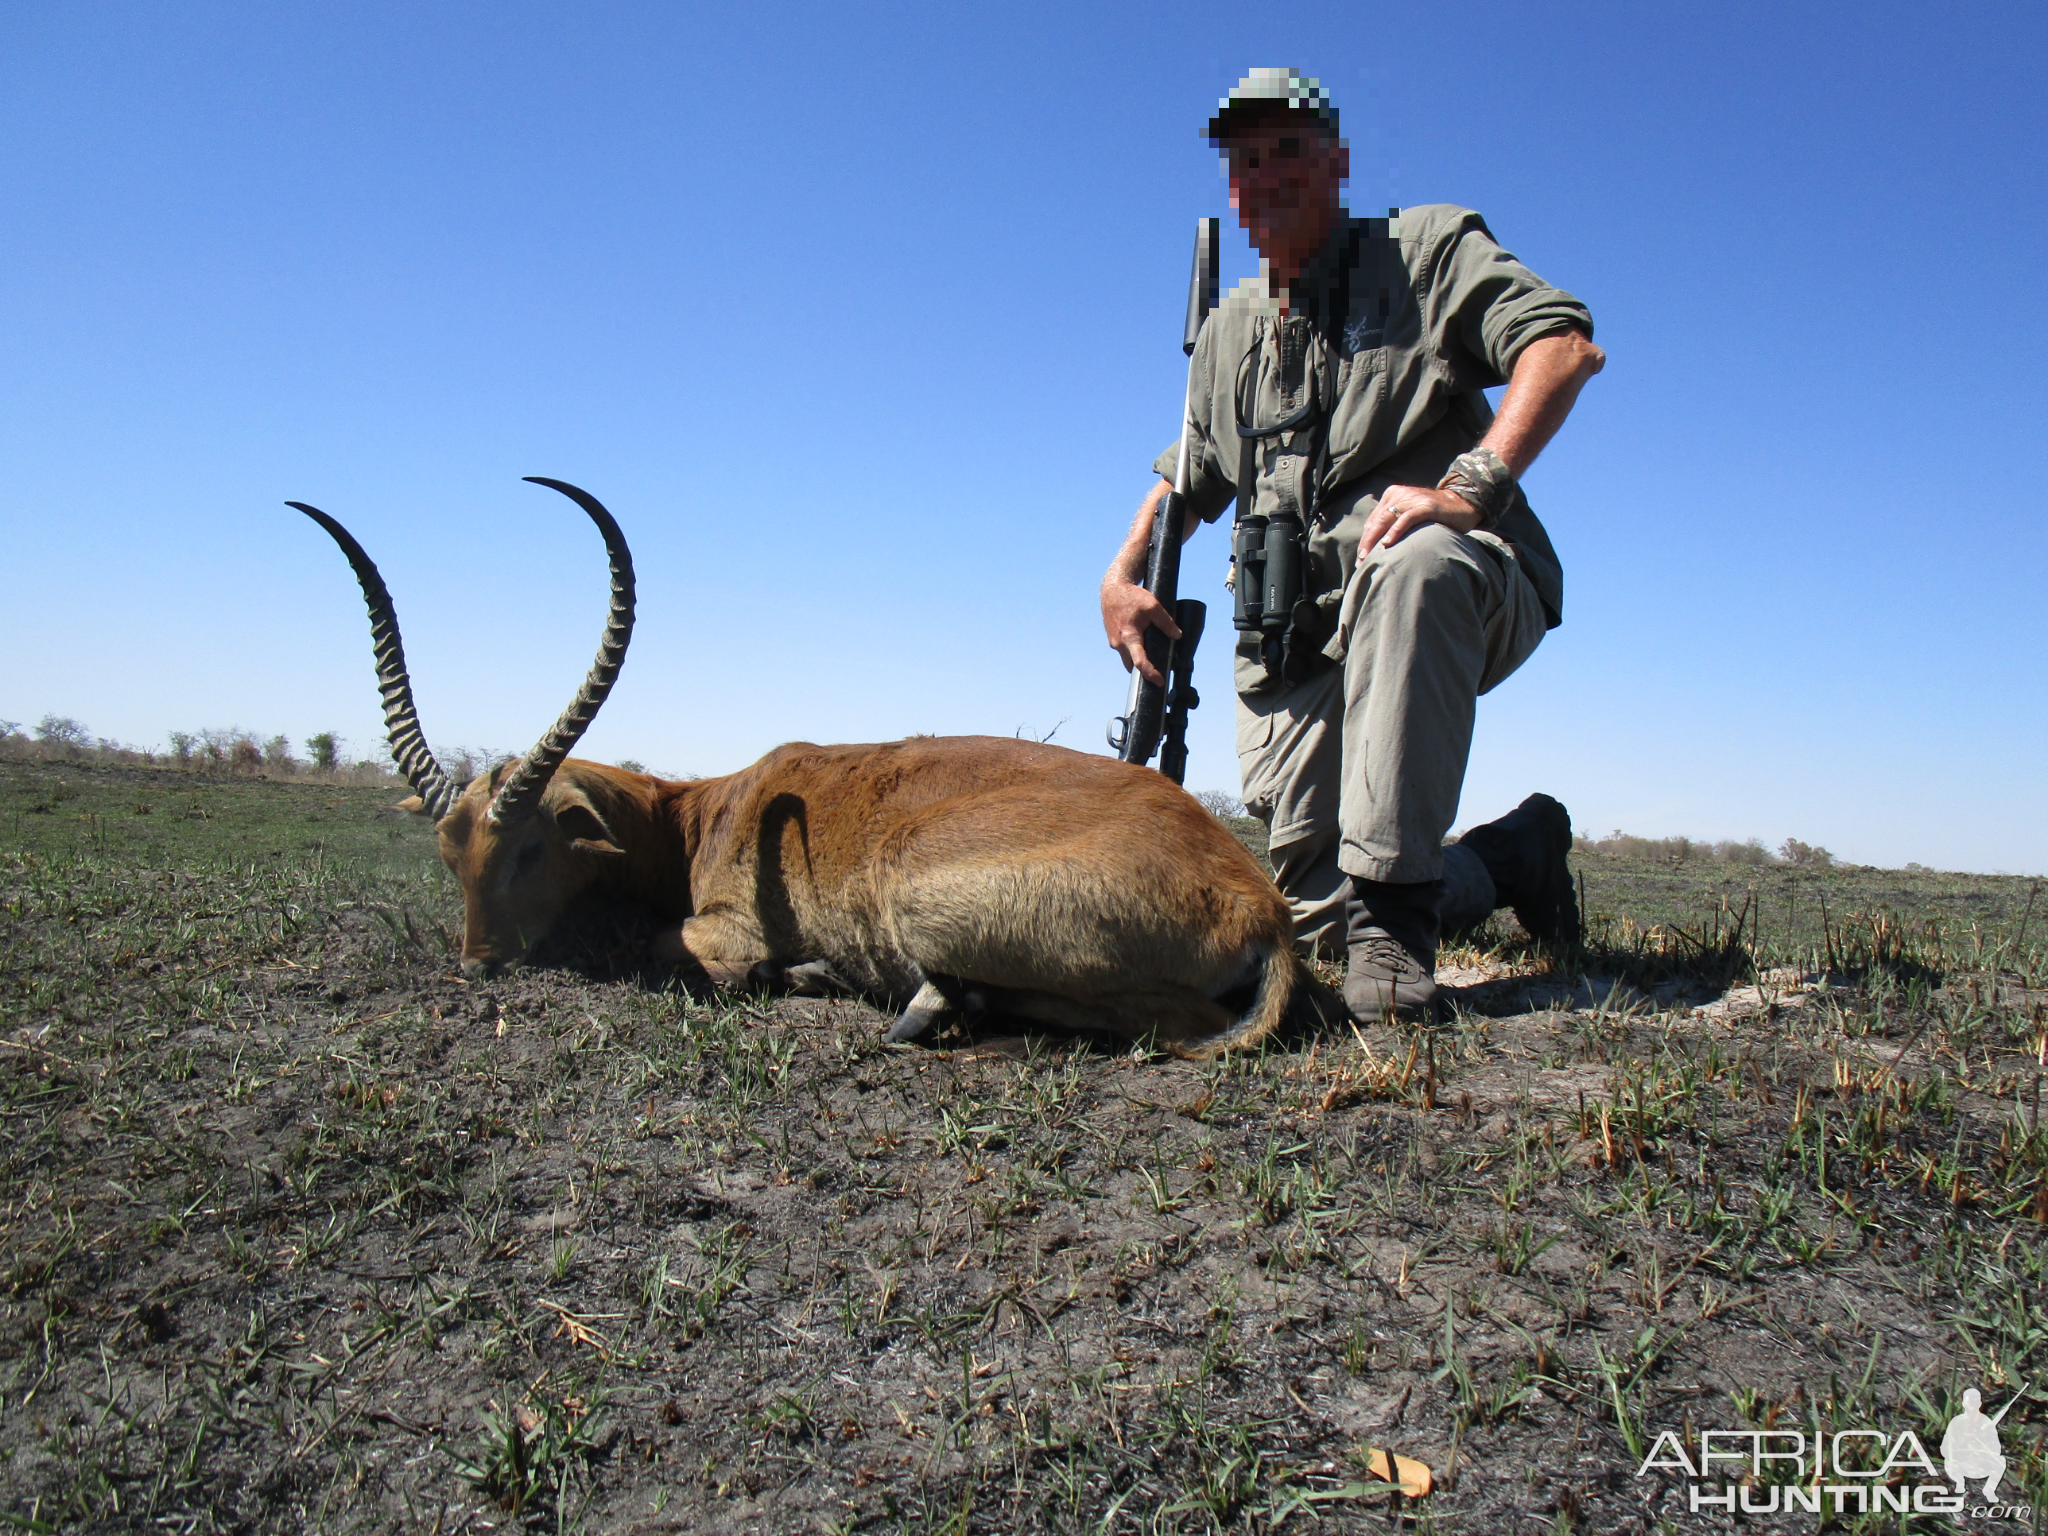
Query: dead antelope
[[933, 874]]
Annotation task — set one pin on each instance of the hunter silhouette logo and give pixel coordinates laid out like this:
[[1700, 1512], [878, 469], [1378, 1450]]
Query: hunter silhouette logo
[[1969, 1448], [1856, 1471]]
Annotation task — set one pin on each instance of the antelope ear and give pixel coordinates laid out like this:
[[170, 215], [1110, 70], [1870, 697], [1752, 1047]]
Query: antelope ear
[[412, 803], [578, 821]]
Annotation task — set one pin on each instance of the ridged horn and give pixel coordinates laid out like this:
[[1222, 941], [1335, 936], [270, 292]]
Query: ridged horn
[[401, 721], [521, 792]]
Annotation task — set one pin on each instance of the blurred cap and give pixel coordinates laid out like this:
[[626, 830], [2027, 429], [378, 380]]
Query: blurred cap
[[1261, 92]]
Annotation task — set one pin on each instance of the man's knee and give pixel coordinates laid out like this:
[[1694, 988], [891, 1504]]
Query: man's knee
[[1299, 854], [1429, 558]]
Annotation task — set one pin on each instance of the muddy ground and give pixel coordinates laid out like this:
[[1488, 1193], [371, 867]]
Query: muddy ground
[[299, 1230]]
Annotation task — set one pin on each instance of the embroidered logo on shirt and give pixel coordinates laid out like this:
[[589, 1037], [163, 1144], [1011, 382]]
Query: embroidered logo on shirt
[[1362, 333]]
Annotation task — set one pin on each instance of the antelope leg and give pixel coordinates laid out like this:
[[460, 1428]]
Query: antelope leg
[[812, 978], [729, 953], [815, 978]]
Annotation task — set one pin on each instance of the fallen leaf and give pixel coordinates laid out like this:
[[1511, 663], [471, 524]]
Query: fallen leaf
[[1412, 1475]]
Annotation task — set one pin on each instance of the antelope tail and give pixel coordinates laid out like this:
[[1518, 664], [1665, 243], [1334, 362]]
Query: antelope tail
[[1288, 990]]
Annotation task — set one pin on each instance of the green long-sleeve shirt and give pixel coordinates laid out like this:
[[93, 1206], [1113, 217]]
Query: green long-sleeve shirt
[[1434, 312]]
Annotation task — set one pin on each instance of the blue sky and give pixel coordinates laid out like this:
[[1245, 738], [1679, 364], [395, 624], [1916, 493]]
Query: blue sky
[[865, 324]]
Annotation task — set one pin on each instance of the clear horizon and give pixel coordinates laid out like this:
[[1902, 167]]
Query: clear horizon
[[865, 325]]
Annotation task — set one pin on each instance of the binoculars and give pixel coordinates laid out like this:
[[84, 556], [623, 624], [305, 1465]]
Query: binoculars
[[1267, 554]]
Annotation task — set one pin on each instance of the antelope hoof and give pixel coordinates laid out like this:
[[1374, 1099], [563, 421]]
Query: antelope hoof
[[925, 1010], [912, 1023]]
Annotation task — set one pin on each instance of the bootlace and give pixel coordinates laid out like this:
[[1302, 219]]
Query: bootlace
[[1384, 952]]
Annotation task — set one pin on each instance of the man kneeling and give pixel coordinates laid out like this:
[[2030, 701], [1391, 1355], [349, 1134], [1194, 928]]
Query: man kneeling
[[1340, 394]]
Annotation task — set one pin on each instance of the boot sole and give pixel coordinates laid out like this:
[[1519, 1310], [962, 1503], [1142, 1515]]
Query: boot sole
[[1554, 917]]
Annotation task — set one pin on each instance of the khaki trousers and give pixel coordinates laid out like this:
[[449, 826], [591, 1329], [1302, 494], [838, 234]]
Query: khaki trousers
[[1357, 770]]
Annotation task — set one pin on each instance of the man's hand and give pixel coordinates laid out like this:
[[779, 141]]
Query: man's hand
[[1128, 611], [1405, 508]]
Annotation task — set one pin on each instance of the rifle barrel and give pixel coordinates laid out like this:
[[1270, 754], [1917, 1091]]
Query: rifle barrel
[[2018, 1392], [1201, 283]]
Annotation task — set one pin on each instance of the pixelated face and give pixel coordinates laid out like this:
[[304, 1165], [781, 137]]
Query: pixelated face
[[1285, 177]]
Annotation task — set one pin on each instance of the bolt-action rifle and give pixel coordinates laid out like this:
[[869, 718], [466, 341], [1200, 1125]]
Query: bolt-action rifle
[[1156, 710]]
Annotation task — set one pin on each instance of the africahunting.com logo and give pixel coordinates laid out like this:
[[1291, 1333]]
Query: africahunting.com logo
[[1846, 1471]]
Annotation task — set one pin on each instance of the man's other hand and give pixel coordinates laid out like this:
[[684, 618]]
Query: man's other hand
[[1128, 611], [1405, 508]]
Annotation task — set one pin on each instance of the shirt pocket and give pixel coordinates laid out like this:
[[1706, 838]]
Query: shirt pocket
[[1360, 405]]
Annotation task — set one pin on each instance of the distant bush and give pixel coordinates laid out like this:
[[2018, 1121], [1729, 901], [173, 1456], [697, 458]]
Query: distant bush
[[1219, 802], [326, 751], [228, 749], [63, 732], [1805, 855], [465, 763], [1749, 851]]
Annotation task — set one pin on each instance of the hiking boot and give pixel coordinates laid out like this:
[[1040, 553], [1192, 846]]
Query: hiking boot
[[1525, 852], [1392, 967]]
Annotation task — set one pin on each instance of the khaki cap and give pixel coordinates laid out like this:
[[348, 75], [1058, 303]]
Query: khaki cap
[[1266, 88]]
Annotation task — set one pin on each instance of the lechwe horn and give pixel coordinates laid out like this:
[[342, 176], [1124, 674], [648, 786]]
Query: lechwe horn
[[522, 791], [401, 721]]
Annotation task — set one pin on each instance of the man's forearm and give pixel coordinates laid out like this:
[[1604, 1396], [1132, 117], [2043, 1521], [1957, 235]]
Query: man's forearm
[[1548, 376], [1129, 564]]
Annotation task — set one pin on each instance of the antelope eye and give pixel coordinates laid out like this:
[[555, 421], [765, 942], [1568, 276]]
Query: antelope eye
[[529, 856]]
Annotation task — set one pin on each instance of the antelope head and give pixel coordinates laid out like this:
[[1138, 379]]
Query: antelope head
[[524, 838]]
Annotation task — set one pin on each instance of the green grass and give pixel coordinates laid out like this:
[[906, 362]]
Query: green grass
[[1850, 917], [163, 818], [301, 1230]]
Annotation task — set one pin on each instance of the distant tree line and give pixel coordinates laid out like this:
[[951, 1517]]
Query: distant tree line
[[1683, 850], [234, 751], [231, 751], [1638, 850], [225, 750]]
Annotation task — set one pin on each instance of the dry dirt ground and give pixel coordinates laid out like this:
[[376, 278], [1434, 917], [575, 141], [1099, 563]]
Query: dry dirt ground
[[301, 1231]]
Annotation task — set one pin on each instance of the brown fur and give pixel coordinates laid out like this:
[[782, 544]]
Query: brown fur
[[1070, 888]]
